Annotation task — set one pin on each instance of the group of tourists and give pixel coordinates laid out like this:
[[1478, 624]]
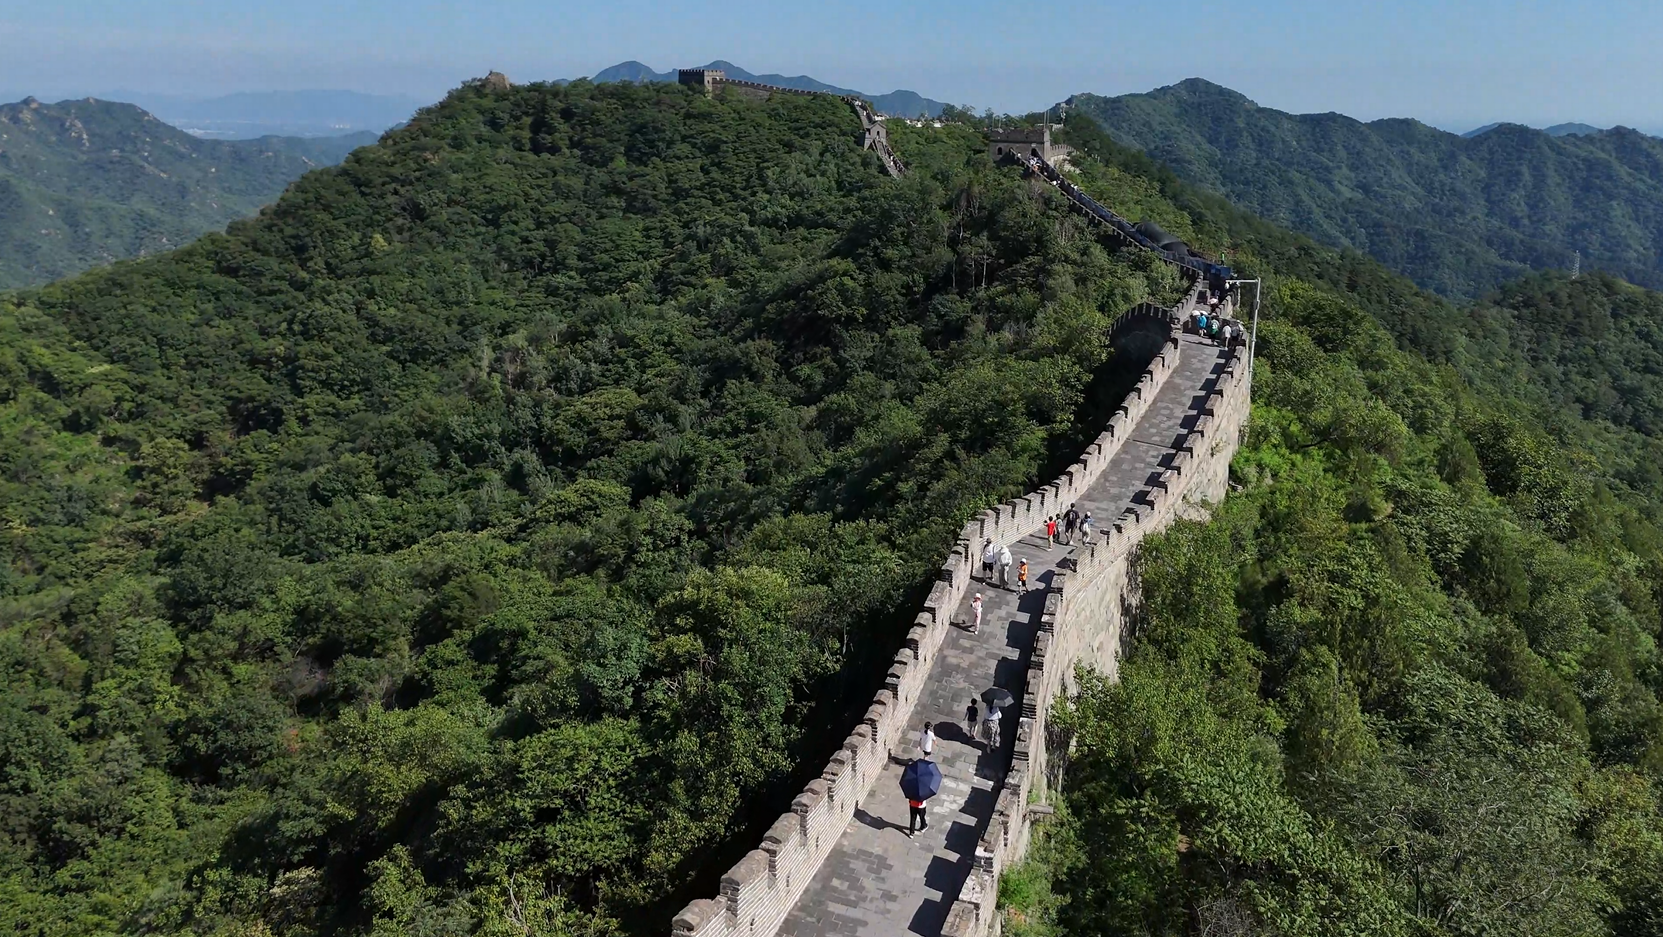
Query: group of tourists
[[978, 726], [1062, 528], [997, 561], [1210, 324], [1059, 528], [997, 557]]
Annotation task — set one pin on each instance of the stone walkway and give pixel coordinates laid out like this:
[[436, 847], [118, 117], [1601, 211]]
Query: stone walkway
[[879, 881]]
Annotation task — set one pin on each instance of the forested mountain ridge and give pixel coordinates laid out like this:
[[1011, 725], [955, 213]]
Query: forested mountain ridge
[[895, 103], [88, 182], [1406, 680], [1458, 215], [472, 538], [465, 543]]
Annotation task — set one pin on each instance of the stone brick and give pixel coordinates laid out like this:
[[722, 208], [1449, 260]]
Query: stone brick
[[696, 916], [747, 872]]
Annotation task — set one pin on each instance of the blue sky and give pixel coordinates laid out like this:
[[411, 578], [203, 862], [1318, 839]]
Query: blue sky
[[1454, 64]]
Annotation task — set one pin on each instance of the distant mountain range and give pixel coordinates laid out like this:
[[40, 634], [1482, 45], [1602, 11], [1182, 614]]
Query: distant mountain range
[[1459, 214], [87, 182], [248, 115], [895, 103], [1557, 130]]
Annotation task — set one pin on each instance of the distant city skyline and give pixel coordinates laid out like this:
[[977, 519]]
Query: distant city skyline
[[1486, 61]]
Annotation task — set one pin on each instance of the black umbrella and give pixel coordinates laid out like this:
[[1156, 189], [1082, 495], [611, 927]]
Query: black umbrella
[[997, 697], [920, 780]]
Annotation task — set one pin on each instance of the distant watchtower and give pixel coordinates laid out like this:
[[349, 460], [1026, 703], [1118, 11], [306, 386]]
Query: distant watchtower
[[1025, 141], [705, 78]]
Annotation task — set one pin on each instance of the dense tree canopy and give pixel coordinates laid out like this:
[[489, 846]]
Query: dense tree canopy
[[484, 538], [1406, 681], [485, 534]]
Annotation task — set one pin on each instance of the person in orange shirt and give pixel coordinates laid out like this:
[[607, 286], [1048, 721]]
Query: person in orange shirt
[[1022, 578]]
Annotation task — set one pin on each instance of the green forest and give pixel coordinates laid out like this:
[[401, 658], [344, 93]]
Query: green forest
[[1458, 215], [87, 182], [1406, 680], [484, 535]]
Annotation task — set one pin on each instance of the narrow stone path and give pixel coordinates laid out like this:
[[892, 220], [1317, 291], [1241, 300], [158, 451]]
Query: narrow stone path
[[879, 881]]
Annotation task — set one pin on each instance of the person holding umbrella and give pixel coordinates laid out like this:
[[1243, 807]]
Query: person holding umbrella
[[991, 727], [996, 699], [920, 781]]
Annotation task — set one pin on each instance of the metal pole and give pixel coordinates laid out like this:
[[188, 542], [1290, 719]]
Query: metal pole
[[1253, 336]]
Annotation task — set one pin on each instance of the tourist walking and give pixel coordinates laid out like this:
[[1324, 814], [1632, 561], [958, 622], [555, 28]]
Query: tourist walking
[[976, 613], [990, 727], [971, 717], [926, 739], [1085, 530], [1070, 521], [1050, 532], [990, 555], [916, 821], [1022, 577], [1004, 567]]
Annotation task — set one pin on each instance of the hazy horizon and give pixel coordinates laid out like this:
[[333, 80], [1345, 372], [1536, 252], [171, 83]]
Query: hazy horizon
[[146, 98], [1452, 68]]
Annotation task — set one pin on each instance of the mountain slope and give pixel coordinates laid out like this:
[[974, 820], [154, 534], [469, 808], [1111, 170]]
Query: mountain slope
[[84, 183], [1458, 215], [508, 511], [895, 103], [1408, 673]]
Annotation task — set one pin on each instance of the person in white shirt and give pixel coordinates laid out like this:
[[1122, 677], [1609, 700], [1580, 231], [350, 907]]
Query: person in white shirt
[[1004, 567], [926, 741], [990, 556], [976, 613]]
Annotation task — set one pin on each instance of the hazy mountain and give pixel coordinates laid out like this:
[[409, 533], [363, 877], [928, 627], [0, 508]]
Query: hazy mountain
[[1478, 130], [1557, 130], [1571, 130], [1459, 214], [247, 115], [895, 103], [87, 182]]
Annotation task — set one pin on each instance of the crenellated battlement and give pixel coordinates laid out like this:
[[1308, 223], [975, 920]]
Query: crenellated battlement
[[1082, 620]]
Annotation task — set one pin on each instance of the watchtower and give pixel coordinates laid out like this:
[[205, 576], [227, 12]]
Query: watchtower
[[1025, 141], [705, 78]]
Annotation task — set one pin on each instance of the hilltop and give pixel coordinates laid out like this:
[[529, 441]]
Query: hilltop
[[88, 182], [1556, 130], [1458, 215], [894, 104]]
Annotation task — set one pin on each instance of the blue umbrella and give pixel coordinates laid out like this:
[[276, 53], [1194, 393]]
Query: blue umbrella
[[920, 780]]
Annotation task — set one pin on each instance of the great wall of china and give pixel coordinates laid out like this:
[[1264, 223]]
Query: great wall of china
[[838, 863]]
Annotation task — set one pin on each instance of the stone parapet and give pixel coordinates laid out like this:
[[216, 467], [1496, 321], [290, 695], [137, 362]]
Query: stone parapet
[[1094, 598], [758, 892]]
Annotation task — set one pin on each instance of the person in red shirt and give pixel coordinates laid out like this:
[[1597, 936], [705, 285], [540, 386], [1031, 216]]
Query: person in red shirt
[[916, 822], [1050, 532]]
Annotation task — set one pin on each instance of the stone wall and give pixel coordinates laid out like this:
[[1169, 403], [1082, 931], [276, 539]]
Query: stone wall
[[1083, 622], [873, 134], [757, 893]]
